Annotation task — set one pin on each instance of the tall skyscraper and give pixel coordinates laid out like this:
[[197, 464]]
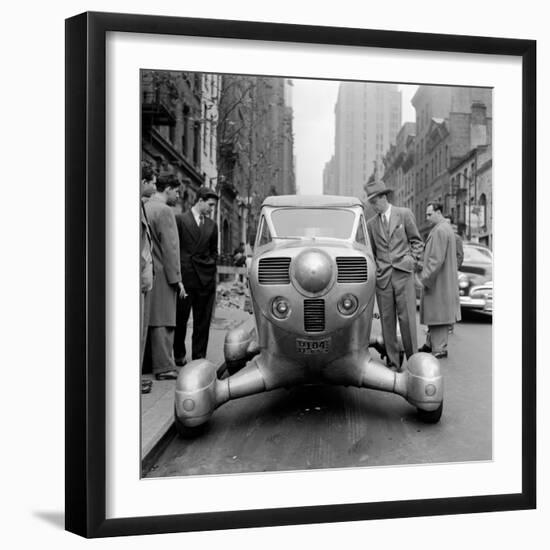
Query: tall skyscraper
[[368, 118]]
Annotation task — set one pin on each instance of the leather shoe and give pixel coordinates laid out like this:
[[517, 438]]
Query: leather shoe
[[425, 348], [440, 354], [181, 362], [168, 375]]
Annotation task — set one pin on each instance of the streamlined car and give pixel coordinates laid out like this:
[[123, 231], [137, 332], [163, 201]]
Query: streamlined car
[[312, 285]]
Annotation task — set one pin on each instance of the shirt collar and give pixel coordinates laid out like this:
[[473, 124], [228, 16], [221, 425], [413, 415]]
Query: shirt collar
[[387, 213]]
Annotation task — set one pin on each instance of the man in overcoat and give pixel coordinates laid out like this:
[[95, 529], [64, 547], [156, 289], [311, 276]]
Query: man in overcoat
[[198, 239], [167, 283], [440, 303], [397, 248]]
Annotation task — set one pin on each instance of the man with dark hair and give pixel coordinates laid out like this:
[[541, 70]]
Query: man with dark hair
[[148, 182], [198, 239], [397, 247], [440, 303], [167, 283]]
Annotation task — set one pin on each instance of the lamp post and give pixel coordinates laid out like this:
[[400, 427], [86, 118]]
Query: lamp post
[[470, 206]]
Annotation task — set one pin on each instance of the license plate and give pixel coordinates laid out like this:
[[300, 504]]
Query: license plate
[[312, 346]]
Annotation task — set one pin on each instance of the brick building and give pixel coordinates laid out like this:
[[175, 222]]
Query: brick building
[[171, 127], [450, 122]]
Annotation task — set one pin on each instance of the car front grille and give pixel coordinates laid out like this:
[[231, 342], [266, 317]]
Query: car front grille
[[314, 315], [352, 269], [274, 271]]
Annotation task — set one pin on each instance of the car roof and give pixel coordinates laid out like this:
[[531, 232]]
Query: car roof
[[302, 201]]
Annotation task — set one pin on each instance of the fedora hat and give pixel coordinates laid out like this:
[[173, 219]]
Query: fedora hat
[[375, 188]]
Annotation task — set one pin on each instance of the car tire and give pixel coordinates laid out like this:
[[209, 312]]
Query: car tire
[[430, 417]]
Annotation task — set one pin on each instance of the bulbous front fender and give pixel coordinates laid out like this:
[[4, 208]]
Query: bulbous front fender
[[198, 392], [424, 381]]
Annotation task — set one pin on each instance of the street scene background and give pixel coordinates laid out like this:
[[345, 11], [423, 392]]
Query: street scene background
[[250, 137]]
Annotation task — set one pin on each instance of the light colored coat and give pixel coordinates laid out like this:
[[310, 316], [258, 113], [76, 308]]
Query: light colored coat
[[440, 303], [166, 262]]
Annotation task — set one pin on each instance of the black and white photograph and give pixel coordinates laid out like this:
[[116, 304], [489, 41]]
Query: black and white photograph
[[306, 325], [327, 327], [316, 273]]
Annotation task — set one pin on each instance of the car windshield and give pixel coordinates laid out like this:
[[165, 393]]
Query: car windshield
[[477, 254], [311, 223]]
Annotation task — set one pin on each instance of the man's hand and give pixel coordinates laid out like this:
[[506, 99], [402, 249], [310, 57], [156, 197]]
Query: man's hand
[[181, 291], [417, 282]]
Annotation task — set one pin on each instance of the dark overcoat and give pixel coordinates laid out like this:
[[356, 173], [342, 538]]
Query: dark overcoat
[[440, 303], [166, 262], [198, 252]]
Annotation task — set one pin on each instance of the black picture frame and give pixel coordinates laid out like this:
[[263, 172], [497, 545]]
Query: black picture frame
[[86, 284]]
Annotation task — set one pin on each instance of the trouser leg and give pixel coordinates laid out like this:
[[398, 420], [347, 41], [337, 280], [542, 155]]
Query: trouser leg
[[183, 309], [439, 336], [386, 307], [145, 308], [203, 304], [162, 343], [405, 298]]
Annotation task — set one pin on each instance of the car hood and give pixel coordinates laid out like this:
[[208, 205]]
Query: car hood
[[288, 244]]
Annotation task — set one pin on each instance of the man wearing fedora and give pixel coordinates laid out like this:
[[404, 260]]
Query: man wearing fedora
[[397, 248]]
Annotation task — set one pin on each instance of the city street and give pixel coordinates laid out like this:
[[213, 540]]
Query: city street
[[324, 426]]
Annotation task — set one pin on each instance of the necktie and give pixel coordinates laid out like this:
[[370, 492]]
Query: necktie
[[384, 223], [201, 221]]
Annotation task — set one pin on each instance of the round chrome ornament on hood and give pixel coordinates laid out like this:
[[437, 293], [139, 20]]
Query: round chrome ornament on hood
[[312, 271]]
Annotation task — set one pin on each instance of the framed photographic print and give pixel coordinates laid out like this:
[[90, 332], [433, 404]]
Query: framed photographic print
[[251, 157]]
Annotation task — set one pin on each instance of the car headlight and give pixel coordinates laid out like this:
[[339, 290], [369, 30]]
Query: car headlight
[[348, 304], [280, 308], [463, 280]]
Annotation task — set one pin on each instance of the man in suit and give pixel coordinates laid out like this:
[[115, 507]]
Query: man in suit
[[167, 283], [198, 237], [397, 248]]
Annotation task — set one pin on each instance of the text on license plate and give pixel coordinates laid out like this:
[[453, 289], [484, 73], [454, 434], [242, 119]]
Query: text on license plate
[[312, 346]]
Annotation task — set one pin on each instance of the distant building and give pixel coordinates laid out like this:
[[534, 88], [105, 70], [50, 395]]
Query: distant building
[[367, 117], [330, 184], [471, 210], [396, 171], [450, 122]]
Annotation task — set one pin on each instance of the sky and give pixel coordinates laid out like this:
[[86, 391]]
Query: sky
[[313, 103]]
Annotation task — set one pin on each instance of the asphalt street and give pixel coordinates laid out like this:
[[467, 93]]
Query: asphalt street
[[333, 427]]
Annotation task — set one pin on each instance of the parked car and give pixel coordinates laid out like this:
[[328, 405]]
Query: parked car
[[483, 293], [476, 270], [312, 285]]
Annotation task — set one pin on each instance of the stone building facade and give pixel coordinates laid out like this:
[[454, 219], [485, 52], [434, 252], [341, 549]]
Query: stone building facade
[[450, 122]]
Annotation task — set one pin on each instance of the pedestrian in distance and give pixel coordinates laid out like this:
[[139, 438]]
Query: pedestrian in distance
[[167, 285], [198, 240], [397, 248], [440, 303]]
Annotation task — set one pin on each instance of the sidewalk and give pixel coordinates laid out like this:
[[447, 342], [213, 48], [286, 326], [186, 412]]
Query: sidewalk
[[157, 407]]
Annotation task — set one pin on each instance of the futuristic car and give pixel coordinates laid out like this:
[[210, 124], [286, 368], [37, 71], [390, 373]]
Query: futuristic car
[[476, 270], [312, 285]]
